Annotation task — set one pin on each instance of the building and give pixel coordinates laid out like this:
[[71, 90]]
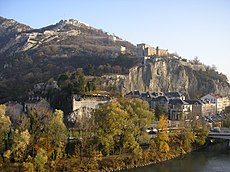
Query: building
[[146, 96], [179, 110], [123, 50], [141, 49], [91, 101], [36, 104], [220, 102], [14, 110], [145, 50], [134, 94], [175, 95], [197, 107], [150, 51], [83, 105], [161, 52], [161, 100], [208, 108], [226, 102]]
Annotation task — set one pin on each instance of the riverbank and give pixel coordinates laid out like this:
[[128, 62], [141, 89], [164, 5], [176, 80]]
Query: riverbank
[[213, 158], [113, 163], [123, 163]]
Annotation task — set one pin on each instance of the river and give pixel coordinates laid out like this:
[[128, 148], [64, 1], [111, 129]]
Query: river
[[215, 158]]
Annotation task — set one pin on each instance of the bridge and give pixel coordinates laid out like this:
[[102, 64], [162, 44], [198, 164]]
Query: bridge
[[219, 135], [222, 134]]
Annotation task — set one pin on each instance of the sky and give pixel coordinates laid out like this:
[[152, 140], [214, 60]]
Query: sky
[[191, 28]]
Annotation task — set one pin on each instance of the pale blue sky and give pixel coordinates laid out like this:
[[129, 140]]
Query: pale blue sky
[[189, 27]]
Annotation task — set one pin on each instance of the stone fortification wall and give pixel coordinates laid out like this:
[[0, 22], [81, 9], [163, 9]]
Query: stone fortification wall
[[92, 103]]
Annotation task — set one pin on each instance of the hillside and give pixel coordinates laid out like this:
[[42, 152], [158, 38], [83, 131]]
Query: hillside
[[30, 56]]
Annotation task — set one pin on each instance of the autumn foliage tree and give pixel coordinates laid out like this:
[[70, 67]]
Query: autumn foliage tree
[[122, 126], [42, 139], [4, 131], [162, 140], [48, 132]]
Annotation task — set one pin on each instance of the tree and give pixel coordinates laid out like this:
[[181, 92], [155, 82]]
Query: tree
[[160, 110], [56, 134], [162, 139], [122, 126], [41, 159], [196, 60], [141, 114], [214, 67], [5, 124], [187, 137], [111, 121], [78, 82], [200, 131], [48, 132], [21, 141]]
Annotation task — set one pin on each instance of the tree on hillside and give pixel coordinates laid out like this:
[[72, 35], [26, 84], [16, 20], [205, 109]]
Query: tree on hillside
[[70, 83], [78, 81], [196, 60]]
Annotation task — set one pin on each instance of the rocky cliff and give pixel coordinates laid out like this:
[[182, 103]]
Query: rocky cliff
[[174, 75]]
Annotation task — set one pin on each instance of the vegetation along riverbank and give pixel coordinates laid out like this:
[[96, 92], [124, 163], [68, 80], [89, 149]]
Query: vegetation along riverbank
[[114, 137]]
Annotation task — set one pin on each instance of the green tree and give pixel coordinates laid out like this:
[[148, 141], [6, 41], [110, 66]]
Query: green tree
[[160, 110], [187, 137], [200, 131], [5, 124], [141, 117], [56, 133], [122, 126], [78, 82], [40, 160], [21, 141], [111, 121], [48, 132]]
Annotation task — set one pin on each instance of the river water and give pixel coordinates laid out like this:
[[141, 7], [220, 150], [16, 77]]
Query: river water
[[215, 158]]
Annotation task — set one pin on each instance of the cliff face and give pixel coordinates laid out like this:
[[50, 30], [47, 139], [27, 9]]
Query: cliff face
[[174, 75]]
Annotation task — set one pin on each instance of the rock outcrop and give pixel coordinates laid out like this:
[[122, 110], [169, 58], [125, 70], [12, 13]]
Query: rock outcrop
[[9, 26], [173, 75]]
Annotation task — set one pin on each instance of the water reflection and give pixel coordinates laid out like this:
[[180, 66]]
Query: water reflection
[[213, 159]]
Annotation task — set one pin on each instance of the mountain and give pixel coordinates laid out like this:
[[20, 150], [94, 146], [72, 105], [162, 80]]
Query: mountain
[[9, 28], [63, 39], [29, 56]]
